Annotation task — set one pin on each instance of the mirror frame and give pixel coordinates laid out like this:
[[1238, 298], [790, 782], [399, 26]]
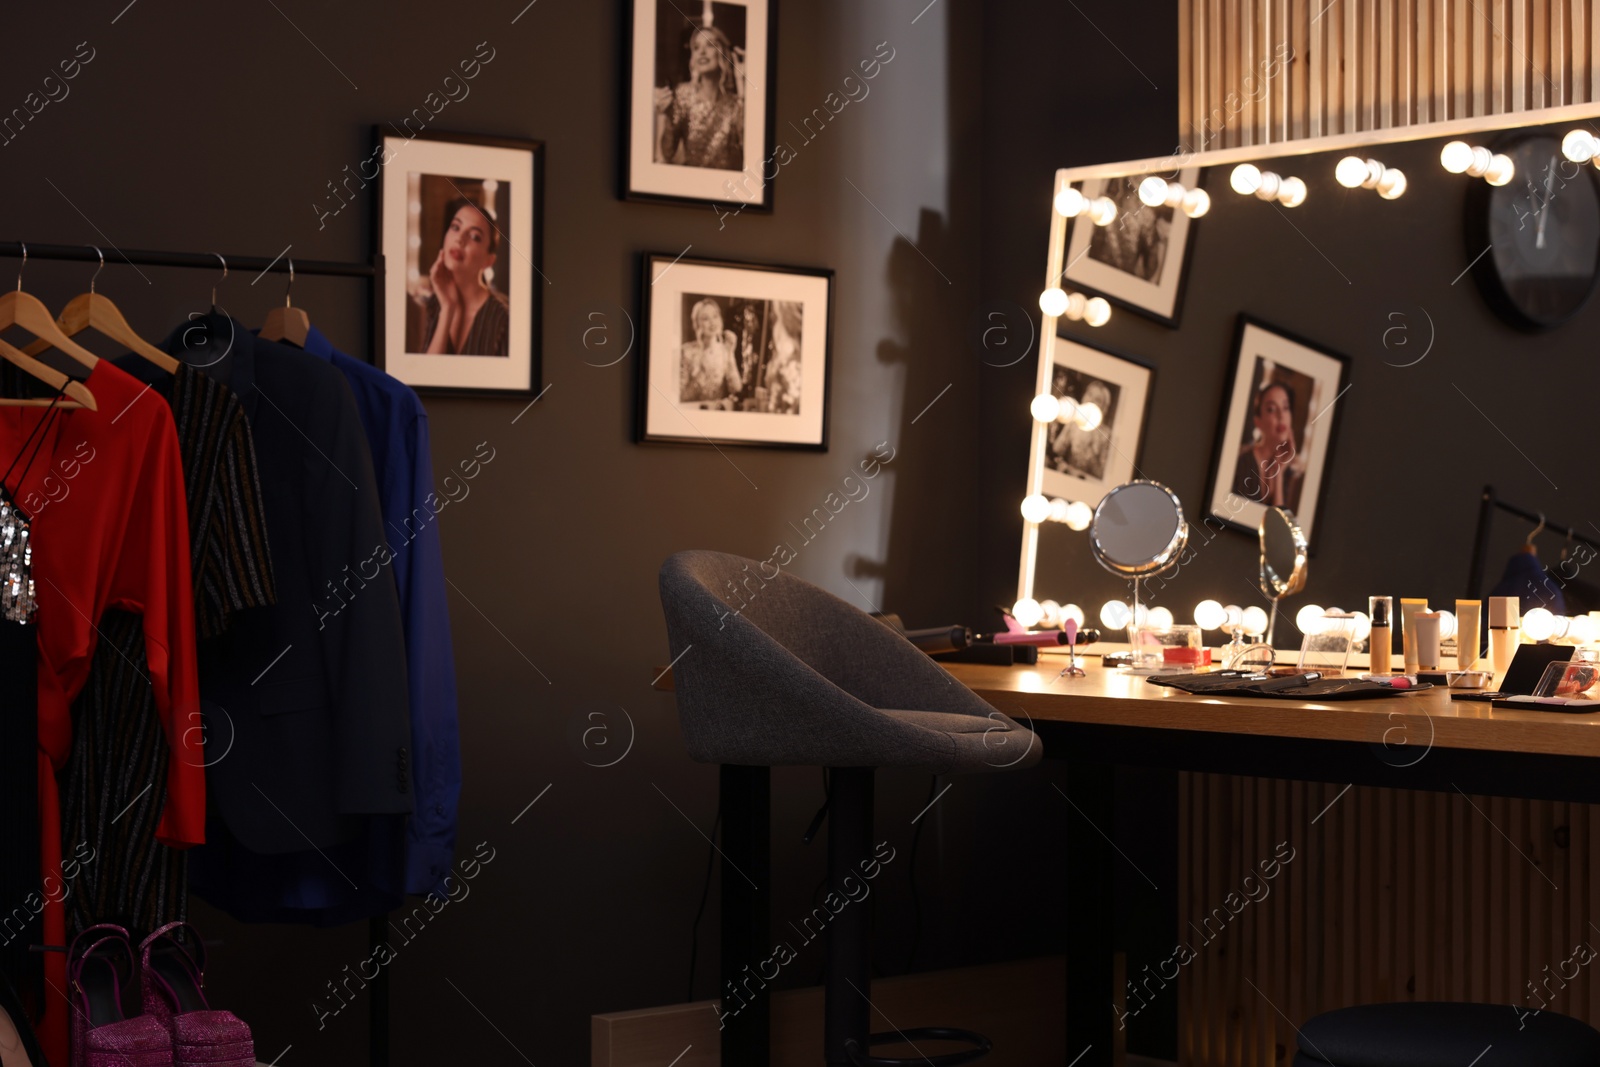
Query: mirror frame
[[1163, 560]]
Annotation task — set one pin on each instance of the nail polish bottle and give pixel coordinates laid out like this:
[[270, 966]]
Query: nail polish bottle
[[1505, 631], [1379, 643]]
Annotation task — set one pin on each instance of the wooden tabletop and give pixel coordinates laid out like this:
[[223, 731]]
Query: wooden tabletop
[[1116, 698]]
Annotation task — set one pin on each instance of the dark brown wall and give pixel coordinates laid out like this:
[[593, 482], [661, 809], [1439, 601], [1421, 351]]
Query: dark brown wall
[[200, 127]]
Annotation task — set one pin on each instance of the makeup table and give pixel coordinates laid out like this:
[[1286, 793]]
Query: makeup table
[[1422, 741], [1107, 718]]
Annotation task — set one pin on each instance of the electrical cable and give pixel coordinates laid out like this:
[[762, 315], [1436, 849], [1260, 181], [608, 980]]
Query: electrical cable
[[705, 893]]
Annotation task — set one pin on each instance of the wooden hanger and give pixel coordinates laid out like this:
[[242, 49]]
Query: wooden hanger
[[287, 323], [1528, 546], [95, 311], [76, 390], [21, 309]]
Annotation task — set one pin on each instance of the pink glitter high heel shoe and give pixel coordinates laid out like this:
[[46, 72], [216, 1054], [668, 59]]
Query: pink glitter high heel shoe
[[107, 1030], [174, 984]]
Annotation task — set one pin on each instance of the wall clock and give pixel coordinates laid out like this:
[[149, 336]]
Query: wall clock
[[1539, 235]]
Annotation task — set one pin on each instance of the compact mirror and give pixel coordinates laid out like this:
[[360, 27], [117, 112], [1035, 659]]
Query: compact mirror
[[1283, 559], [1138, 530]]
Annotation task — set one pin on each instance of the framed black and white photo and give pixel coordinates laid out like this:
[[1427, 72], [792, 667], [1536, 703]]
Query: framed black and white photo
[[1094, 445], [461, 230], [1139, 258], [735, 353], [1274, 444], [699, 102]]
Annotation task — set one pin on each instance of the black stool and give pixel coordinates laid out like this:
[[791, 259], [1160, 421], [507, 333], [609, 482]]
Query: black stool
[[1444, 1034], [776, 671]]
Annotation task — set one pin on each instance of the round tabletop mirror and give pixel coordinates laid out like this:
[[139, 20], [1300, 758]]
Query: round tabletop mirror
[[1283, 560], [1138, 530], [1283, 554]]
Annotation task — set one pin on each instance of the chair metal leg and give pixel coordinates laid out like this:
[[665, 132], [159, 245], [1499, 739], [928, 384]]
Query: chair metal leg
[[848, 1011], [746, 914]]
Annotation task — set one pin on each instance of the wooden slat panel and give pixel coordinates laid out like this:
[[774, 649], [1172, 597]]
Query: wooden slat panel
[[1362, 65], [1186, 89], [1289, 89], [1391, 896], [1577, 51]]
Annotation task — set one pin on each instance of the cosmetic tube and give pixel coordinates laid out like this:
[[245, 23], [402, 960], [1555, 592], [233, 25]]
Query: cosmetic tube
[[1409, 606], [1505, 631], [1469, 635], [1381, 608], [1426, 624]]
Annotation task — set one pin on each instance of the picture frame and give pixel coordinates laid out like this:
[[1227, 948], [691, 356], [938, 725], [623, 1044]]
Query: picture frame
[[1279, 428], [700, 137], [735, 353], [1086, 464], [1140, 259], [480, 201]]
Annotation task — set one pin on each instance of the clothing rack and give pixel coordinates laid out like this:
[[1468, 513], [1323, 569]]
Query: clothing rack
[[1489, 504], [373, 270]]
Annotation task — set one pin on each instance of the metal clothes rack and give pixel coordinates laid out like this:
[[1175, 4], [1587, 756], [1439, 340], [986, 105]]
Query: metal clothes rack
[[373, 271], [1491, 503]]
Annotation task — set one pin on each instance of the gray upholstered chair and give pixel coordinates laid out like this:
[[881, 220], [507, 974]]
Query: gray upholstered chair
[[1425, 1034], [774, 671]]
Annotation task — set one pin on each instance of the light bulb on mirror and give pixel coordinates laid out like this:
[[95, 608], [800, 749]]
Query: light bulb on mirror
[[1235, 617], [1209, 615], [1058, 510], [1254, 621], [1096, 312], [1073, 612], [1049, 614], [1114, 615], [1580, 146], [1035, 508], [1447, 625], [1196, 202], [1538, 624], [1583, 629], [1079, 515], [1027, 612], [1352, 172], [1392, 185], [1070, 202], [1160, 618], [1310, 619], [1141, 615], [1501, 170], [1102, 210], [1250, 180], [1457, 156], [1089, 417], [1153, 191], [1053, 301], [1069, 410], [1045, 407], [1363, 627]]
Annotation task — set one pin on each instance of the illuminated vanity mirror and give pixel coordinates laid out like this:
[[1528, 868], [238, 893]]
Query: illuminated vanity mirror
[[1283, 559]]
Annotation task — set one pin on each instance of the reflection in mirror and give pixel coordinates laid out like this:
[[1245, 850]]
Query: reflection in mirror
[[1138, 530], [1283, 559]]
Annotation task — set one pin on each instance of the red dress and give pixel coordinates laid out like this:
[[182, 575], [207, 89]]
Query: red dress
[[110, 529]]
